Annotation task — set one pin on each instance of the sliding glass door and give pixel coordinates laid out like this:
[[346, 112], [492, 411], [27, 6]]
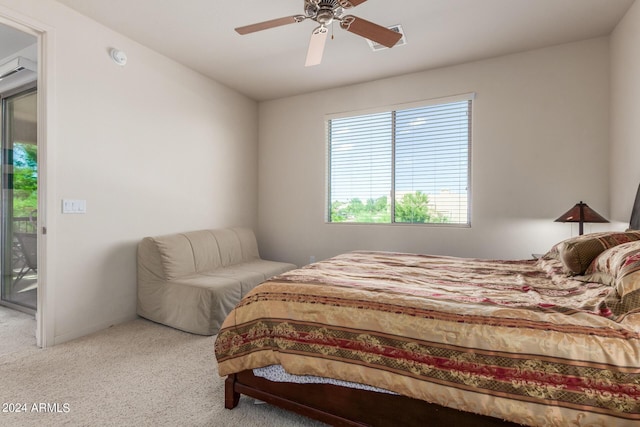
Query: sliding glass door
[[18, 222]]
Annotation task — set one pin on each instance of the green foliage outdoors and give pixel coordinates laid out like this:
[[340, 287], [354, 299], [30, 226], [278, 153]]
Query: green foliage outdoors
[[411, 208], [414, 208], [374, 210], [25, 179]]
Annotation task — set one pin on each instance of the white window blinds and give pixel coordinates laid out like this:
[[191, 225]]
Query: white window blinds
[[402, 166]]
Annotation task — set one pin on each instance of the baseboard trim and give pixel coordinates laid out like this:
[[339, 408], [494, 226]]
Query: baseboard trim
[[92, 329]]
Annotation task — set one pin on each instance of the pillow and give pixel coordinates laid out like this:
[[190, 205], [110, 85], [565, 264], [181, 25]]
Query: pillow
[[554, 252], [577, 253], [619, 267]]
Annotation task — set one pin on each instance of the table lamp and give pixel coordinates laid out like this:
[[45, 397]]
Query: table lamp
[[581, 213]]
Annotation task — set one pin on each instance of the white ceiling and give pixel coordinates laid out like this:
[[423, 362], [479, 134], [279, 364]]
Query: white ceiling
[[11, 41], [270, 64]]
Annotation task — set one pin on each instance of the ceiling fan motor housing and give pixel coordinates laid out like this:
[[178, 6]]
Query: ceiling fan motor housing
[[323, 11]]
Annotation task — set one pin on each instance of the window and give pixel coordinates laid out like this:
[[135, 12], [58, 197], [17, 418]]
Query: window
[[408, 165]]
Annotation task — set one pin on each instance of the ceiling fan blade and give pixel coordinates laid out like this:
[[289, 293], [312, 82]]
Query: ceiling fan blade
[[316, 46], [270, 24], [346, 4], [369, 30]]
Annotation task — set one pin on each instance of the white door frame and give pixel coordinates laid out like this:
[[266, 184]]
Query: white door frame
[[45, 35]]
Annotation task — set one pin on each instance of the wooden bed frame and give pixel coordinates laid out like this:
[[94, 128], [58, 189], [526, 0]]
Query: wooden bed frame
[[343, 406]]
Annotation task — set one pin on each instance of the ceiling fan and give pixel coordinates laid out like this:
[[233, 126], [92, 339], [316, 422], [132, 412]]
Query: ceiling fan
[[324, 12]]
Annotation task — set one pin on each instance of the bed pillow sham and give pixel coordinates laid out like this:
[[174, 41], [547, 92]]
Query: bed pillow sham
[[618, 267], [577, 253], [554, 252]]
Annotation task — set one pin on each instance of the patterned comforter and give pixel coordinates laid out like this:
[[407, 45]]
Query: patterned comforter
[[516, 340]]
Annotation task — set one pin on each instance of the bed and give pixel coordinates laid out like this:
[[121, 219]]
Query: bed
[[382, 338]]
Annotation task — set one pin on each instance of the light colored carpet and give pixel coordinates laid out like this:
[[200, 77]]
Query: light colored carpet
[[135, 374], [17, 331]]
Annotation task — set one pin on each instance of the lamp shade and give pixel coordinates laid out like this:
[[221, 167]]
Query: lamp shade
[[581, 213]]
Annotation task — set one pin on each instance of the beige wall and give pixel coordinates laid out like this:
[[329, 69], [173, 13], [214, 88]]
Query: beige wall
[[156, 148], [540, 131], [153, 148], [625, 114]]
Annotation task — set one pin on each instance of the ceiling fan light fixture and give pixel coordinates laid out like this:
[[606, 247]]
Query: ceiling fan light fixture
[[324, 16]]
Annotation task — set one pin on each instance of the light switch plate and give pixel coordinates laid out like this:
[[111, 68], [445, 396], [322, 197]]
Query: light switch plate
[[74, 206]]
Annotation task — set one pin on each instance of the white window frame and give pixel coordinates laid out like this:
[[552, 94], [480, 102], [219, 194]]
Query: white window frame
[[392, 109]]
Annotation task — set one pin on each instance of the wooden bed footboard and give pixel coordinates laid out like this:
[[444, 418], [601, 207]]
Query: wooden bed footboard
[[343, 406]]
